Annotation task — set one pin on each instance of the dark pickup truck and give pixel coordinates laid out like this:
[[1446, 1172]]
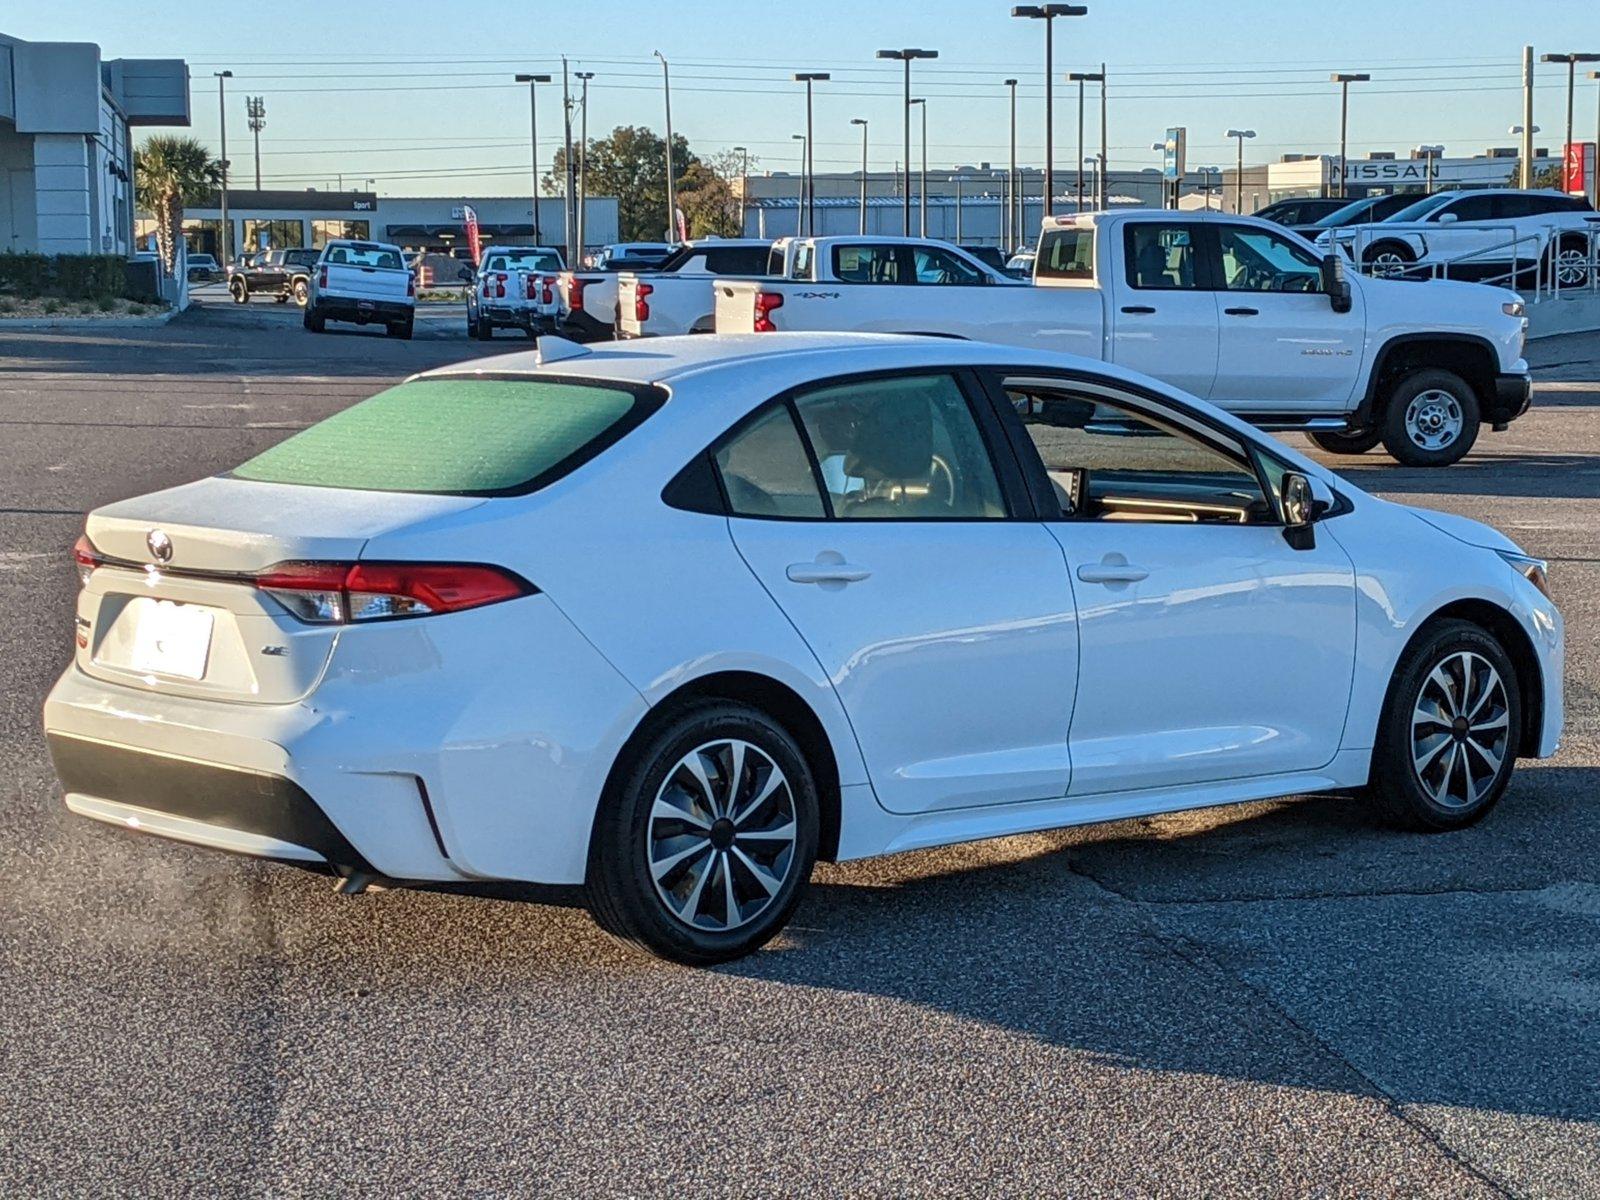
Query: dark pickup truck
[[282, 274]]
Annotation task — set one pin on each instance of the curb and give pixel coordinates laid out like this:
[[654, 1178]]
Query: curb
[[81, 323]]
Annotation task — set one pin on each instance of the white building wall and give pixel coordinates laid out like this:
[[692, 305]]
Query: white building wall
[[18, 227], [61, 180]]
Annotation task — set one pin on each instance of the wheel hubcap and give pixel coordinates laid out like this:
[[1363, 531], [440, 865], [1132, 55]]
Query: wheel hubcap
[[1460, 730], [1572, 266], [721, 837], [1433, 419], [1388, 263]]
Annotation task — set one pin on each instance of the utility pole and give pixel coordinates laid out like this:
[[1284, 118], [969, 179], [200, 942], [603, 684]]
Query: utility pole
[[800, 200], [905, 56], [1238, 174], [808, 78], [1081, 78], [583, 165], [672, 190], [533, 82], [744, 184], [222, 120], [1105, 160], [570, 186], [957, 181], [1013, 221], [1048, 14], [861, 121], [1344, 80], [922, 178], [255, 108]]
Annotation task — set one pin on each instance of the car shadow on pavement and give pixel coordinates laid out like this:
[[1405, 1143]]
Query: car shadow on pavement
[[1294, 943]]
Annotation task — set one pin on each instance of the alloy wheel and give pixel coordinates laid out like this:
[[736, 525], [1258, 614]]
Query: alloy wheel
[[1572, 267], [1460, 730], [722, 835], [1434, 419], [1387, 264]]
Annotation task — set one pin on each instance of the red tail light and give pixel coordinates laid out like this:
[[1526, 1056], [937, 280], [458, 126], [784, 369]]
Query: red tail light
[[328, 593], [547, 293], [641, 305], [765, 303], [500, 286], [575, 295], [322, 277], [86, 557]]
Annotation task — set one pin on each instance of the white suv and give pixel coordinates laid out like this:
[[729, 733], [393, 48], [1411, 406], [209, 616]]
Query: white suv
[[1477, 235]]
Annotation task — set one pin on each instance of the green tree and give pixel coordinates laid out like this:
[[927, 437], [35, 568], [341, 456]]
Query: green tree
[[709, 197], [170, 172], [631, 164], [1554, 176]]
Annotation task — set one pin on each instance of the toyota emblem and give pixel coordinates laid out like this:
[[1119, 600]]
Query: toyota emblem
[[160, 546]]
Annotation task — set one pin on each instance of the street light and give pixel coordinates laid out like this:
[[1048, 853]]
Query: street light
[[922, 179], [1013, 222], [744, 184], [1571, 61], [800, 200], [222, 119], [957, 180], [1081, 78], [583, 164], [1162, 147], [1429, 153], [1208, 177], [533, 82], [1096, 167], [905, 56], [1238, 178], [1048, 14], [862, 121], [672, 191], [808, 78], [1344, 81]]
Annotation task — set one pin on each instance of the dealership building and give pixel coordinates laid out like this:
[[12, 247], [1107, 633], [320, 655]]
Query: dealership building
[[66, 153]]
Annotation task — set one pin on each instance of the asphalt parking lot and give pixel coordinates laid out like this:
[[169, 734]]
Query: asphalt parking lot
[[1281, 999]]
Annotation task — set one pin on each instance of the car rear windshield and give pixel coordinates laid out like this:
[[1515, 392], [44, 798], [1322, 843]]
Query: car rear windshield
[[365, 256], [459, 436], [1065, 254]]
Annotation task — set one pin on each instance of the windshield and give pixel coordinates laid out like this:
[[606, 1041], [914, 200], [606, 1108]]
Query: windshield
[[460, 436], [1355, 211], [1415, 212]]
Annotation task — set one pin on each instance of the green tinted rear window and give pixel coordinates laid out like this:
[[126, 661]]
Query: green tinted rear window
[[456, 435]]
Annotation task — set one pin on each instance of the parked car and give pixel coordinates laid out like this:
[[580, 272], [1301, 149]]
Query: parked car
[[839, 596], [1491, 233], [1299, 210], [1239, 311], [1363, 211], [282, 274], [363, 282], [202, 268], [675, 297], [587, 300], [608, 258], [513, 287], [990, 256], [1020, 265]]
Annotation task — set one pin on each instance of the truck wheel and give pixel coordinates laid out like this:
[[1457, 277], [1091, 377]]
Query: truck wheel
[[314, 320], [1348, 441], [1430, 419], [301, 292], [1388, 260], [401, 329], [483, 331], [240, 290], [1571, 265]]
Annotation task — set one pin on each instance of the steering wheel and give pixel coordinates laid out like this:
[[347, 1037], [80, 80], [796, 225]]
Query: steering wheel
[[939, 467]]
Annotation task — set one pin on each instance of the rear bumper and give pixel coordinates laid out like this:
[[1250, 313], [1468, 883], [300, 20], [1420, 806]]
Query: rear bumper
[[362, 312], [585, 327], [516, 318], [1513, 393]]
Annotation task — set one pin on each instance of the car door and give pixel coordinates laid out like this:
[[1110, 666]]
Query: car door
[[875, 515], [1163, 320], [1466, 234], [1281, 345], [1209, 647]]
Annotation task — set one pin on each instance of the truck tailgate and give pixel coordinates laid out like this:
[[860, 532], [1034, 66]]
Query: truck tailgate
[[366, 283], [736, 306]]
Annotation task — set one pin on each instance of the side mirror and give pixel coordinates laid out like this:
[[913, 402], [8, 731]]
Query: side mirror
[[464, 273], [1334, 283], [1447, 218], [1298, 506]]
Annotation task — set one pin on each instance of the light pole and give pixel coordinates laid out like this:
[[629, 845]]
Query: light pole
[[808, 78], [905, 56], [533, 82], [583, 163], [800, 200], [1344, 80], [1048, 14], [222, 120], [1526, 132], [957, 180], [1238, 178], [1012, 223], [1571, 61], [1105, 160], [922, 178], [1081, 78], [1208, 177], [255, 108], [1095, 168], [1429, 153], [744, 185], [672, 191], [862, 121], [1161, 171]]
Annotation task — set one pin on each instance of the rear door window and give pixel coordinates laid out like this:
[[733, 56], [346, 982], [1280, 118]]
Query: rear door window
[[869, 264], [1162, 255], [469, 436], [1066, 254]]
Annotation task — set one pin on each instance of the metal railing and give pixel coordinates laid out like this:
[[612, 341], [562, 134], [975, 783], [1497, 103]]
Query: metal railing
[[1543, 264]]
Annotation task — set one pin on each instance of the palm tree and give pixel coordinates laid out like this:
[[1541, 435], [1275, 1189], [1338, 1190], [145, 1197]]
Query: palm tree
[[169, 172]]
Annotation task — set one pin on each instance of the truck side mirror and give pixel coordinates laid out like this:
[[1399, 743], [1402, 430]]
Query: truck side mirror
[[1334, 283], [464, 273]]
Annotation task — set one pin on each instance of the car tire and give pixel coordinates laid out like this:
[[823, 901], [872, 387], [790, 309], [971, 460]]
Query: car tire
[[1446, 748], [1571, 266], [1388, 260], [483, 331], [239, 290], [700, 889], [1348, 441], [302, 292], [314, 320], [1430, 419], [400, 329]]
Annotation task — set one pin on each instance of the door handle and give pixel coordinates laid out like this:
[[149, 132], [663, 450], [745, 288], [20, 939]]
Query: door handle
[[1242, 312], [1107, 572], [825, 572], [1138, 308]]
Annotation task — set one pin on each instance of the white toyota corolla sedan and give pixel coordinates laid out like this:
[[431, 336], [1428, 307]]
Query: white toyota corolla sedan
[[673, 619]]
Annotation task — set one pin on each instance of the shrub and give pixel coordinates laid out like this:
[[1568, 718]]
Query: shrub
[[52, 305], [67, 276]]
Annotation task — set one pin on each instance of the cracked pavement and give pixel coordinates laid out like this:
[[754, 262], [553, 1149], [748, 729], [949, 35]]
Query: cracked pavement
[[1276, 999]]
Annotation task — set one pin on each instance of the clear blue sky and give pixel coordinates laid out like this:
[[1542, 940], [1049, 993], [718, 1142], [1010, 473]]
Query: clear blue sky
[[407, 93]]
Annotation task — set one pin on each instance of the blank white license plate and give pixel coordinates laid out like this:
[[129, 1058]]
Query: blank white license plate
[[171, 639]]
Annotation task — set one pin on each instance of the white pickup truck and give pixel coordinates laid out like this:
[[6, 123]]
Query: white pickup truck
[[1235, 310], [676, 296], [364, 282], [514, 287]]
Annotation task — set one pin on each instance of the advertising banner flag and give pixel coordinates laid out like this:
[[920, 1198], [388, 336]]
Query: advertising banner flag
[[470, 214]]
